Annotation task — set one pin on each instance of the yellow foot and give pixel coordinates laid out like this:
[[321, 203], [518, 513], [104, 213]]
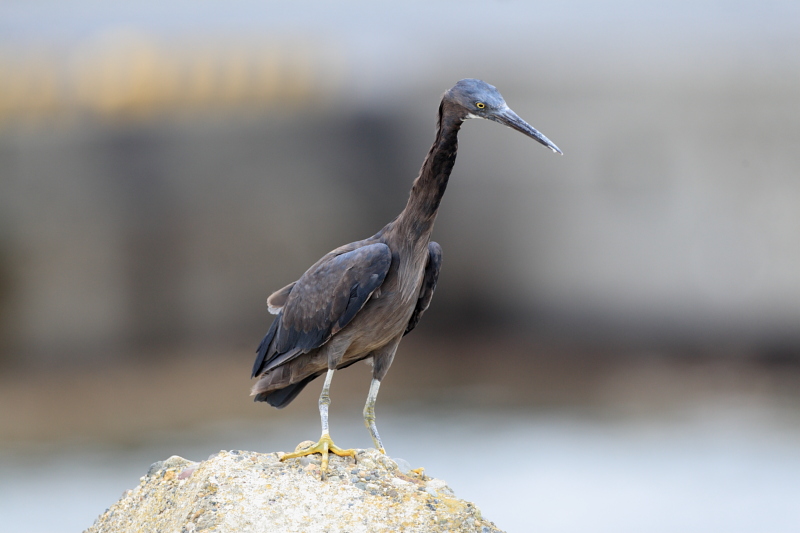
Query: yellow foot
[[323, 446]]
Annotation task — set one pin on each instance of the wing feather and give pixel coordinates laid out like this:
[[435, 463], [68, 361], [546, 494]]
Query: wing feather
[[428, 284], [277, 299], [322, 302]]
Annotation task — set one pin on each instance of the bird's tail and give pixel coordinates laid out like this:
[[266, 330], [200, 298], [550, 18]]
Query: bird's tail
[[283, 397], [276, 389]]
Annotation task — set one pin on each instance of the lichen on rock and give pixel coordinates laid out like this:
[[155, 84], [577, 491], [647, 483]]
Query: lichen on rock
[[237, 491]]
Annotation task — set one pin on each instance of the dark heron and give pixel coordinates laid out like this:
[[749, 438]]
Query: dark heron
[[358, 301]]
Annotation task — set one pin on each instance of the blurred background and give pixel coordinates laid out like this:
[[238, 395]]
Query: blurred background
[[614, 343]]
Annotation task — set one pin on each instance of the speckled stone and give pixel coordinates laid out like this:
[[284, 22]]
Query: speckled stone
[[245, 492]]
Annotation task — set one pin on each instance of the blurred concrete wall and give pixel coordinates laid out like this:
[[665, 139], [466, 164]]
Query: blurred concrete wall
[[156, 189]]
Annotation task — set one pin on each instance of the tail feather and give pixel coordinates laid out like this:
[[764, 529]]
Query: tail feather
[[279, 386], [283, 397]]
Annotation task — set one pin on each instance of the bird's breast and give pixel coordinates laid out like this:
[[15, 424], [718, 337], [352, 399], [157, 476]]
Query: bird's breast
[[386, 314]]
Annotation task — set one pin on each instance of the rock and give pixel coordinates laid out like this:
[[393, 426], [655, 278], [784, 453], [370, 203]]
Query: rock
[[402, 464], [241, 491]]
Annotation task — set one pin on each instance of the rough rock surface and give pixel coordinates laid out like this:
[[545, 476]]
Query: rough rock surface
[[240, 491]]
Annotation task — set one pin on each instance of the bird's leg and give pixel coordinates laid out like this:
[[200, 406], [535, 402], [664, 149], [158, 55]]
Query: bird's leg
[[325, 443], [369, 414], [325, 401]]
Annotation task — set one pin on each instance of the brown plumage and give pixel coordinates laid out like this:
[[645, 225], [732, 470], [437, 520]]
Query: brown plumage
[[359, 300]]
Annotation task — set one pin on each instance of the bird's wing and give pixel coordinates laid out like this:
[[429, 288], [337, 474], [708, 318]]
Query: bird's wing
[[322, 302], [428, 284], [277, 299]]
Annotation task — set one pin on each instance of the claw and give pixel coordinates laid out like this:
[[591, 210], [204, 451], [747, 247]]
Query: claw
[[323, 447]]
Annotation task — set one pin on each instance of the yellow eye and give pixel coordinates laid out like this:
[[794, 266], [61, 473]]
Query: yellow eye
[[480, 105]]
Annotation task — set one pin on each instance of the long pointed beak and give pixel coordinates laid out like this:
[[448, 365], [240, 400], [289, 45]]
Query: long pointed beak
[[512, 120]]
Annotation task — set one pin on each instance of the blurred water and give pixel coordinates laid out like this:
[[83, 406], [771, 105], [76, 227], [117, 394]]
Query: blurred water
[[728, 468]]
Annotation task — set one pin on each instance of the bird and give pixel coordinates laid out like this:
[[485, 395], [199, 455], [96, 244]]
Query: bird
[[358, 301]]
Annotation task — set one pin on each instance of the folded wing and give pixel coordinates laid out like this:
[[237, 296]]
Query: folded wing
[[428, 284], [322, 302]]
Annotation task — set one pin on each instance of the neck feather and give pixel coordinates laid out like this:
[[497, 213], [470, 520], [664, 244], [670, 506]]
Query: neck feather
[[427, 191]]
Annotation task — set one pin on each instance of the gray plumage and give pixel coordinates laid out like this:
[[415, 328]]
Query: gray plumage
[[359, 300]]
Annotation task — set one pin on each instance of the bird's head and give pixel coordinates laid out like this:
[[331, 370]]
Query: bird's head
[[478, 99]]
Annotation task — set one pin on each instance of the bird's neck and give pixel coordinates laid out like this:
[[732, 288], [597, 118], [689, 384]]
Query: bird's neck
[[416, 220]]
